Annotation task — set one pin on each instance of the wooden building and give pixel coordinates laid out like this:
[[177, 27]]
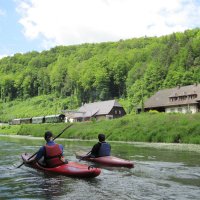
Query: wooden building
[[185, 99], [97, 110]]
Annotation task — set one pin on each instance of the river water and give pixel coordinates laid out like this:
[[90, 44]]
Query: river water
[[158, 174]]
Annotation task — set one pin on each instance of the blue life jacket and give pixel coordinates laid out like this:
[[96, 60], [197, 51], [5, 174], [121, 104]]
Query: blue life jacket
[[104, 149]]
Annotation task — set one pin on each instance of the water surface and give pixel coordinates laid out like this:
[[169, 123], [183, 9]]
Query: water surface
[[158, 174]]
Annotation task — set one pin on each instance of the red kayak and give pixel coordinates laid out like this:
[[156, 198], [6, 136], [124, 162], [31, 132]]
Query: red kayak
[[110, 161], [72, 169]]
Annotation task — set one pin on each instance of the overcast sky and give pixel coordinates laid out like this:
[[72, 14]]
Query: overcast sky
[[27, 25]]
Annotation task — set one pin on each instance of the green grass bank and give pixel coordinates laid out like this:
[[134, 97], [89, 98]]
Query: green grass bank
[[147, 127]]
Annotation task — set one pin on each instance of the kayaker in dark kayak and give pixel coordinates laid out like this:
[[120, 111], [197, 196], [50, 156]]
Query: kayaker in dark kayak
[[102, 148], [51, 154], [100, 154]]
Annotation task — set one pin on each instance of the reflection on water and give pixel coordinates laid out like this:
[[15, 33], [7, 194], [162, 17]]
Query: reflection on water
[[158, 174]]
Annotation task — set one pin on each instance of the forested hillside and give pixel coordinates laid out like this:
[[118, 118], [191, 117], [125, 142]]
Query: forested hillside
[[129, 69]]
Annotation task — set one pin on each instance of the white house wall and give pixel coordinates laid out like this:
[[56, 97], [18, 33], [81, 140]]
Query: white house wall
[[68, 119], [182, 109]]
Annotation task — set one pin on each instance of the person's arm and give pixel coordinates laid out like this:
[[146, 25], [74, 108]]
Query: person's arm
[[95, 150], [37, 157], [110, 147], [62, 149], [62, 155], [32, 160]]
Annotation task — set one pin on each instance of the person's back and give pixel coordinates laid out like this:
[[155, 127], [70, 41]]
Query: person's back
[[102, 148], [51, 154]]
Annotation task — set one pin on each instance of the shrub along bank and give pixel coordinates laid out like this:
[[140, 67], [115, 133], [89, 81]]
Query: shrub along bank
[[146, 127]]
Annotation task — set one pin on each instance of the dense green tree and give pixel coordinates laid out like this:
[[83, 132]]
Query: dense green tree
[[154, 77], [135, 73]]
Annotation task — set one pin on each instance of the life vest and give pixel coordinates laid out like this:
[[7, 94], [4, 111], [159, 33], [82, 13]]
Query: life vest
[[53, 155], [104, 149]]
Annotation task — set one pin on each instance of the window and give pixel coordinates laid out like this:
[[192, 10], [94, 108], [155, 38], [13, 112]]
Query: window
[[194, 96], [109, 116], [179, 109], [172, 110]]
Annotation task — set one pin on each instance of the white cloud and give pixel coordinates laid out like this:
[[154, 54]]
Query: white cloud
[[3, 55], [65, 22], [2, 12]]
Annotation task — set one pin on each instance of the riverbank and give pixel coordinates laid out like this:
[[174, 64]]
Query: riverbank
[[168, 146], [147, 127]]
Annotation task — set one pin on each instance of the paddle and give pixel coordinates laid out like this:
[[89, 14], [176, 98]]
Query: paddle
[[53, 140], [85, 156]]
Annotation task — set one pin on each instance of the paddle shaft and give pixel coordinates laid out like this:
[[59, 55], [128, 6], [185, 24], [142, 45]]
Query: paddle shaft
[[53, 140], [85, 156]]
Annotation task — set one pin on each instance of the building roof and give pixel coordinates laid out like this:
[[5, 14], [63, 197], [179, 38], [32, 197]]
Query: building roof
[[162, 97], [96, 108], [40, 117], [57, 115]]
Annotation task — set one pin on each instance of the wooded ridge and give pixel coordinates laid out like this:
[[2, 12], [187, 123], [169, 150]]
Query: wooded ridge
[[130, 70]]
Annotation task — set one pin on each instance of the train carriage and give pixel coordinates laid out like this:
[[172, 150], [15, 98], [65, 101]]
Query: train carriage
[[25, 120], [38, 120], [54, 118], [15, 121]]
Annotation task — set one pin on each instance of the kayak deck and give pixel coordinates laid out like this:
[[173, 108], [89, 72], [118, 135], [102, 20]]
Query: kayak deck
[[72, 169], [110, 161]]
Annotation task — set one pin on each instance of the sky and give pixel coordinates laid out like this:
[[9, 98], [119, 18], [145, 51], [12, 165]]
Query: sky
[[37, 25]]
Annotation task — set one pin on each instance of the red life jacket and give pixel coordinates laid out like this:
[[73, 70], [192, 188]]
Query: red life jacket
[[53, 155]]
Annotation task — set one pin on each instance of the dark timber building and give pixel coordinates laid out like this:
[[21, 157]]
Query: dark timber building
[[97, 110]]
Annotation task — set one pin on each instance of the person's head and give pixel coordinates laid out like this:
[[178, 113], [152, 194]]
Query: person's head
[[48, 135], [101, 137]]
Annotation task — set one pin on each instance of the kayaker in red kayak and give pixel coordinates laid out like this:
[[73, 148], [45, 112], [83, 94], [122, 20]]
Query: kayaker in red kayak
[[100, 149], [49, 155]]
